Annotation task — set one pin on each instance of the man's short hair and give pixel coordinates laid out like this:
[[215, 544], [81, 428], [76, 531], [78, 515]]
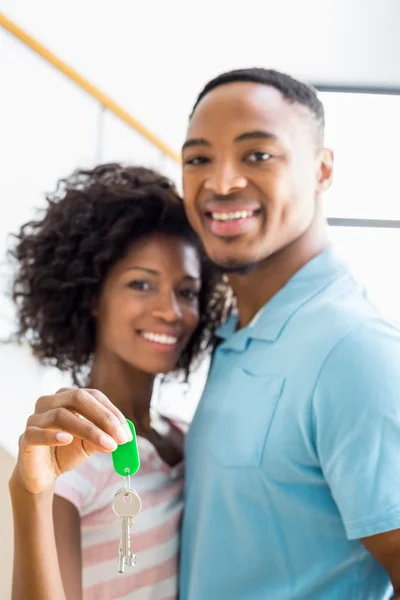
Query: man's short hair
[[291, 89]]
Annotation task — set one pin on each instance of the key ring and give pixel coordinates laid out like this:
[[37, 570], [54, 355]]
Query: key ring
[[127, 482]]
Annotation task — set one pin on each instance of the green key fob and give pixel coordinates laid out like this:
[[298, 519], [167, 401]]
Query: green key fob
[[126, 458]]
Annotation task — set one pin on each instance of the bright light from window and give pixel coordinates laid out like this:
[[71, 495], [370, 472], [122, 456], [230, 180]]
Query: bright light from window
[[364, 132]]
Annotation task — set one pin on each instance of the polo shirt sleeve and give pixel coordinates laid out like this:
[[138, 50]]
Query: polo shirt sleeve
[[356, 417]]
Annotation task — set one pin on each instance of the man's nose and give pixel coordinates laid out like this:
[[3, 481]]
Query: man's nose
[[225, 179]]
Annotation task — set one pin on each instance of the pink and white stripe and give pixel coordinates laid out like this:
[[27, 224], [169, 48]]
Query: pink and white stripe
[[155, 535]]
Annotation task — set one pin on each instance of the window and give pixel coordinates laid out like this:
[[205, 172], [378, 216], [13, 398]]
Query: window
[[364, 132], [373, 256]]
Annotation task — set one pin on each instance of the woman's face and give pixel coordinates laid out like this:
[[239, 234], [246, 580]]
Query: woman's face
[[148, 308]]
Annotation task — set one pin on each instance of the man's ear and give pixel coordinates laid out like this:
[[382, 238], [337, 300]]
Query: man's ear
[[325, 169]]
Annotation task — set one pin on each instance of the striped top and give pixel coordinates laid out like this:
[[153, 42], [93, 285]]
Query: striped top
[[154, 536]]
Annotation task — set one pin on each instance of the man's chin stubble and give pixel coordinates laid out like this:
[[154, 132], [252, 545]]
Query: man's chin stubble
[[232, 268]]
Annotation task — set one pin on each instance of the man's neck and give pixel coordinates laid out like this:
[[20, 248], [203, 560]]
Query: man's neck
[[254, 290]]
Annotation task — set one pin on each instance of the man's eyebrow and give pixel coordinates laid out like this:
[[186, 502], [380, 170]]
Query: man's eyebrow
[[256, 135], [248, 135], [195, 142]]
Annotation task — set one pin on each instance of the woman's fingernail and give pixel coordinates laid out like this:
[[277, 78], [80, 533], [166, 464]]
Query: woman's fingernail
[[128, 429], [64, 437], [107, 442], [123, 434]]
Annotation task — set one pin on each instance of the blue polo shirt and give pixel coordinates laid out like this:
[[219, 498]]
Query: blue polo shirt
[[294, 452]]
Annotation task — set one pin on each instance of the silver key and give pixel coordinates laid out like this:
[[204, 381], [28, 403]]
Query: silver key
[[127, 506], [121, 561]]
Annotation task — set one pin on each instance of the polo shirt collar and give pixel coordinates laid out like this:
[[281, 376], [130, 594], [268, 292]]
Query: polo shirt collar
[[311, 279]]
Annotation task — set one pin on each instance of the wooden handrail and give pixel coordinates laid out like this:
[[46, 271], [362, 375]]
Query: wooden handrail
[[88, 87]]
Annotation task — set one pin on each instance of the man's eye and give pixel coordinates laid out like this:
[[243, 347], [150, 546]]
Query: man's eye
[[258, 157], [139, 285]]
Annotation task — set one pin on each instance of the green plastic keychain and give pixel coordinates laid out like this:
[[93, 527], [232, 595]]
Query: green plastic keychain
[[126, 458]]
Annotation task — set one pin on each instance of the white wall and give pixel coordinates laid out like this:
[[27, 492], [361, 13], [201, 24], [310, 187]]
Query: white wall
[[6, 529]]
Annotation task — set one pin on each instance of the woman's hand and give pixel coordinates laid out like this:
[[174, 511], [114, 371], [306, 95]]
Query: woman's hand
[[65, 429]]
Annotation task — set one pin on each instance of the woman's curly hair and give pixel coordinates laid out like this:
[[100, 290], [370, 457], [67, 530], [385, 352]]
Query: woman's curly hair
[[63, 259]]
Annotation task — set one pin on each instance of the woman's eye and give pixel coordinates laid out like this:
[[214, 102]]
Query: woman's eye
[[190, 295], [258, 157], [196, 160], [139, 285]]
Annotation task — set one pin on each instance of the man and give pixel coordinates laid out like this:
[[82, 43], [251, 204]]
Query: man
[[293, 458]]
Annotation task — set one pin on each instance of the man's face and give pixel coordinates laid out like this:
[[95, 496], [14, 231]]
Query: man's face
[[253, 169]]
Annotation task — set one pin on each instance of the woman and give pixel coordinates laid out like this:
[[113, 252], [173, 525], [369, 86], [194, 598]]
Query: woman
[[113, 287]]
